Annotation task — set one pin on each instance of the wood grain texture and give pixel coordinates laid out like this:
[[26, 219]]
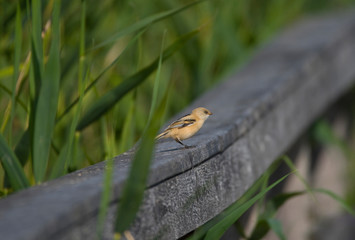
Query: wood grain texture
[[258, 113]]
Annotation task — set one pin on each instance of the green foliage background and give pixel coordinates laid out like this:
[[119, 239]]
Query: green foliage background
[[128, 36]]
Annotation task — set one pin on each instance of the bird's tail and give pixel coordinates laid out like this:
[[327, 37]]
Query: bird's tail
[[162, 135]]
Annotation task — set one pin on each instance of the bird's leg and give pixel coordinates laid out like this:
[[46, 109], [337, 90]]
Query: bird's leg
[[178, 140]]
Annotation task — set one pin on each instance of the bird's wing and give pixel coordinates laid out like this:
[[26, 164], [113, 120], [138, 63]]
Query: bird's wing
[[182, 122]]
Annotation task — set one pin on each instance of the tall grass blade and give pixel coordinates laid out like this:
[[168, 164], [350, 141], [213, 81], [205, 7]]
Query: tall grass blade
[[37, 63], [17, 58], [293, 168], [127, 136], [135, 185], [105, 197], [337, 198], [62, 163], [146, 22], [46, 108], [122, 223], [110, 151], [260, 230], [106, 102], [19, 101], [12, 166], [156, 82], [5, 119], [37, 47], [218, 230], [276, 202], [276, 226], [18, 45], [22, 149]]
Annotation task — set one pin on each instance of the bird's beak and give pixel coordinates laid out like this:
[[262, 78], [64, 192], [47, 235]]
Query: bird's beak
[[210, 113]]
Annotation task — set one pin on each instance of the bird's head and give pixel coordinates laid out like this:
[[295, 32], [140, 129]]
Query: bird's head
[[202, 113]]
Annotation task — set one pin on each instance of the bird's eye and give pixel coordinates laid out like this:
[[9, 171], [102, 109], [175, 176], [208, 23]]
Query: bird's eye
[[206, 112]]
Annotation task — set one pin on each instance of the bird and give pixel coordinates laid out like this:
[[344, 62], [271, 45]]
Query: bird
[[186, 126]]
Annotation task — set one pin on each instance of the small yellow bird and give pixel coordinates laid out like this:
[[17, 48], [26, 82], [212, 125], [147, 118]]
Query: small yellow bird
[[186, 126]]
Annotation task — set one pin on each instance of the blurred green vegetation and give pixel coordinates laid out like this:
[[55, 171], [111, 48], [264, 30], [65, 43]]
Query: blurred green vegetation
[[266, 206], [95, 35]]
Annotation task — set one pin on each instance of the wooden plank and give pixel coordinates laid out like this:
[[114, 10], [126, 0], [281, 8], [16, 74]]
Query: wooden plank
[[258, 113]]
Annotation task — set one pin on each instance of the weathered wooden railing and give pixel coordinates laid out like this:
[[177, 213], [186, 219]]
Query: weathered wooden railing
[[258, 113]]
